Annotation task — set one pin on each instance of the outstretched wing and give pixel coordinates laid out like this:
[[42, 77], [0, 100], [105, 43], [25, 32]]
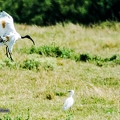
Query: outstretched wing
[[4, 14], [6, 24]]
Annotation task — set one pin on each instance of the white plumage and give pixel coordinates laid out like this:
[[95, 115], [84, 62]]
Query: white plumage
[[69, 101], [6, 24], [8, 33]]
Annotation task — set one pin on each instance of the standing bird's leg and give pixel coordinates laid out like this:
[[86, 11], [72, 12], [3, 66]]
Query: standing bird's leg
[[7, 51], [11, 56]]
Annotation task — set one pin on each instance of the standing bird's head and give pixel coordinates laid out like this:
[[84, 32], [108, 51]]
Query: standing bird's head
[[71, 92]]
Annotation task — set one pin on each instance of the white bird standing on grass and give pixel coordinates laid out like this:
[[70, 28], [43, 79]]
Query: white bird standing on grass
[[8, 33], [69, 101]]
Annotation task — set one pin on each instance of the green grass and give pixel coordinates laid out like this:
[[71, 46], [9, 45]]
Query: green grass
[[85, 59]]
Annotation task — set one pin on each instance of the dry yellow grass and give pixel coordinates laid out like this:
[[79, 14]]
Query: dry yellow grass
[[43, 91]]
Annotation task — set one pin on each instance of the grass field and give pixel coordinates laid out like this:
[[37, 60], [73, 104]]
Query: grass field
[[85, 59]]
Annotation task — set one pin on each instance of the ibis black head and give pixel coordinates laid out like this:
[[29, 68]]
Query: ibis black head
[[27, 36]]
